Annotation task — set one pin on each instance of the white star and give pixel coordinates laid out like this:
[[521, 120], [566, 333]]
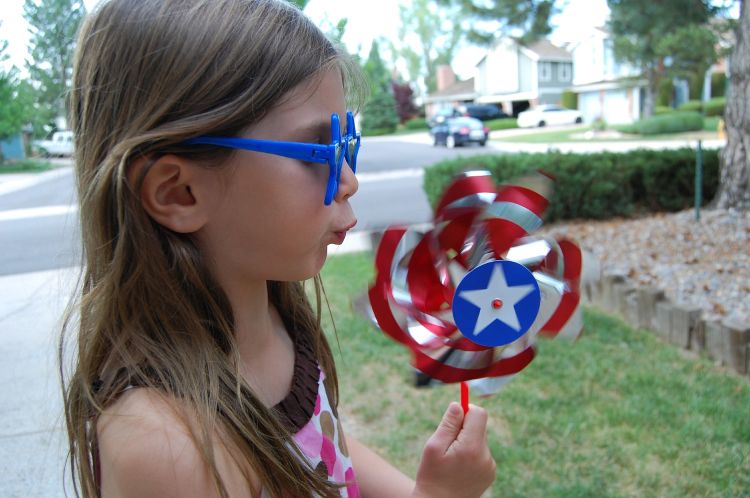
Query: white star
[[497, 289]]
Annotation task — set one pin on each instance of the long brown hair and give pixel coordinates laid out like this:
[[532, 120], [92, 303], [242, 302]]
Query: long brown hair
[[149, 74]]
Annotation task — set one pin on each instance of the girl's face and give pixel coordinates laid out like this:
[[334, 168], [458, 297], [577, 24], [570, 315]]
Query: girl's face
[[269, 221]]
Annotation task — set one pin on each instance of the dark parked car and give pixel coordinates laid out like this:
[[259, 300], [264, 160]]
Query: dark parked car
[[483, 112], [442, 115], [460, 131]]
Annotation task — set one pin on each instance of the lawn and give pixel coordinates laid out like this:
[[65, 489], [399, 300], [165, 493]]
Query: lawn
[[576, 135], [615, 414], [27, 166]]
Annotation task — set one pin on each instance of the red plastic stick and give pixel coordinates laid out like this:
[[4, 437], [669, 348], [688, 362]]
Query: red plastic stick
[[465, 397]]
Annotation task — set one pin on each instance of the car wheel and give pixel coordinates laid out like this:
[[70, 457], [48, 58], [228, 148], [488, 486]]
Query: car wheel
[[542, 124], [483, 143], [579, 120], [450, 141]]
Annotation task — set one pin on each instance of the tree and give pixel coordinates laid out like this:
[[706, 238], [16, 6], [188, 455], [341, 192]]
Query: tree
[[529, 18], [299, 3], [380, 111], [53, 25], [13, 102], [669, 38], [734, 177], [438, 33], [404, 97]]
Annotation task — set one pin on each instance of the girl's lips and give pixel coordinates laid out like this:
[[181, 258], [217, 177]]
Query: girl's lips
[[340, 235]]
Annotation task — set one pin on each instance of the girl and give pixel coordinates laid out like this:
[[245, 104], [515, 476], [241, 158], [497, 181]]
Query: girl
[[215, 161]]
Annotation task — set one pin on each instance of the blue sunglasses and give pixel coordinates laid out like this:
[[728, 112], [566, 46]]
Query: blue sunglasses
[[341, 147]]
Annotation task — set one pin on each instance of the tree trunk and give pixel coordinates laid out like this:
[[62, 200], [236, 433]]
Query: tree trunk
[[734, 178], [649, 97]]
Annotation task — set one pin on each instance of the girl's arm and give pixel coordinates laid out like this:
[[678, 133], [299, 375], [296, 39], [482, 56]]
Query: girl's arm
[[456, 462], [375, 476]]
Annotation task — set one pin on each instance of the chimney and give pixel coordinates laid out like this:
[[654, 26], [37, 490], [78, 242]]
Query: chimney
[[445, 76]]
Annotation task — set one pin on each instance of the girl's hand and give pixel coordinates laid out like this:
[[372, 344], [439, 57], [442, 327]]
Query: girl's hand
[[456, 462]]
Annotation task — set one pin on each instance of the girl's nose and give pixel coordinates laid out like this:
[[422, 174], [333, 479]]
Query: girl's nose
[[348, 183]]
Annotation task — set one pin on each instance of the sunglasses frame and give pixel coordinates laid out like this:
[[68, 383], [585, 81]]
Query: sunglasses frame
[[346, 147]]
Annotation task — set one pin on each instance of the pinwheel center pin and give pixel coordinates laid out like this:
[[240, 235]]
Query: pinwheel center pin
[[496, 303]]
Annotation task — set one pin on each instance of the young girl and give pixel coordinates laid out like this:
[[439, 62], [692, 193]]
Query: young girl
[[215, 161]]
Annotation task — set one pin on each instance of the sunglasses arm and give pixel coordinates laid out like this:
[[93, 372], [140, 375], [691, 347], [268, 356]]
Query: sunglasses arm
[[316, 153]]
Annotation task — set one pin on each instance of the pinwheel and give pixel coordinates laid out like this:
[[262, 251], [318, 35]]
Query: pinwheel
[[470, 296]]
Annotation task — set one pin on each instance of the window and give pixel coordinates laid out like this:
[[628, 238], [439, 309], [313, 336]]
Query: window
[[545, 71], [563, 71]]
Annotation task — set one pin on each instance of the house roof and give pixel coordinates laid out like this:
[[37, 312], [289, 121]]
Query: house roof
[[545, 50], [458, 88]]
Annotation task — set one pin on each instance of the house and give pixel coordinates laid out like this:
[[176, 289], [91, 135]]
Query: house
[[606, 89], [450, 93], [518, 76]]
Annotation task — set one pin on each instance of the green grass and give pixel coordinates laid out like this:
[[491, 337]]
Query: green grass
[[616, 414], [567, 135], [27, 166]]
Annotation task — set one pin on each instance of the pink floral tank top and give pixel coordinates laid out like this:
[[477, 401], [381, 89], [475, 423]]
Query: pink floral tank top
[[308, 414]]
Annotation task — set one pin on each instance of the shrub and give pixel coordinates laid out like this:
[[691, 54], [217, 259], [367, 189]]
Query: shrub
[[670, 123], [374, 132], [665, 93], [711, 123], [662, 109], [416, 124], [631, 129], [501, 124], [569, 100], [599, 124], [691, 106], [715, 106], [596, 186], [718, 84]]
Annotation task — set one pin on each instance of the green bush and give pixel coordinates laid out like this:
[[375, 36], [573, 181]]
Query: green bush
[[569, 100], [691, 106], [630, 129], [374, 132], [501, 124], [416, 124], [662, 109], [711, 123], [718, 84], [675, 122], [715, 106], [596, 186], [665, 93]]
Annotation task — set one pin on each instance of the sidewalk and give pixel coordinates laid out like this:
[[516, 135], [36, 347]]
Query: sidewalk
[[11, 182], [33, 449]]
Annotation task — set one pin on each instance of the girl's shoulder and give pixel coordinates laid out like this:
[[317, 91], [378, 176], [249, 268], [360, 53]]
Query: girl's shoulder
[[146, 448]]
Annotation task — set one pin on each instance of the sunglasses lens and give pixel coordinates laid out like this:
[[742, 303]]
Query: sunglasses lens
[[352, 146], [340, 152]]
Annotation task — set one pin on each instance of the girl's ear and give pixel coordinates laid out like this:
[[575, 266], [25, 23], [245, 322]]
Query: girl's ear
[[173, 192]]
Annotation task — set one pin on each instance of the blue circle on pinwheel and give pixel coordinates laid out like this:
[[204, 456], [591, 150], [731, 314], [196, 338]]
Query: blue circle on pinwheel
[[496, 303]]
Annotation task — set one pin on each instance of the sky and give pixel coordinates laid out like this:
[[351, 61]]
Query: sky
[[367, 20]]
